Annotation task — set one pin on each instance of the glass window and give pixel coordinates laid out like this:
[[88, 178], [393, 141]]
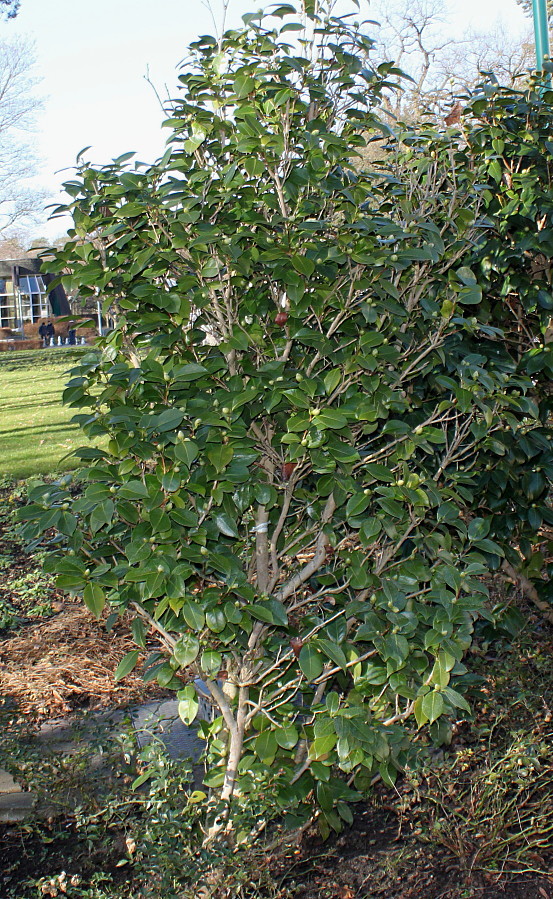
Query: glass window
[[6, 286], [34, 298], [7, 306]]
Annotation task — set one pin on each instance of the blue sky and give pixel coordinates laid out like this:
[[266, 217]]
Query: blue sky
[[92, 59]]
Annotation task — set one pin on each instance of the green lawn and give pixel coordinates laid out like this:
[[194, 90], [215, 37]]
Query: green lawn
[[35, 429]]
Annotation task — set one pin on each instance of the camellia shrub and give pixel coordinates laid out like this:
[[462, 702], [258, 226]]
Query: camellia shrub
[[505, 149], [300, 409]]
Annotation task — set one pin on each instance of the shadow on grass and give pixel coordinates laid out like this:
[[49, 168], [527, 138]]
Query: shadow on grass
[[32, 404], [54, 356], [48, 460], [41, 429], [29, 380], [30, 373], [28, 388]]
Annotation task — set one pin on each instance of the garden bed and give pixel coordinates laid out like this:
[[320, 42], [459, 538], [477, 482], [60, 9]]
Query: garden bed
[[55, 658], [458, 827]]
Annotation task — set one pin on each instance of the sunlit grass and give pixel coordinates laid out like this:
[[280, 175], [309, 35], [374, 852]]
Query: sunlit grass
[[36, 434]]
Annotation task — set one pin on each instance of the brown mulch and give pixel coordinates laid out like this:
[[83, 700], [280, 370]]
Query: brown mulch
[[52, 666], [67, 662]]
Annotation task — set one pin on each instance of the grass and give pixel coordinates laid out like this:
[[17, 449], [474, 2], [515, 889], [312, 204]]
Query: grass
[[36, 434]]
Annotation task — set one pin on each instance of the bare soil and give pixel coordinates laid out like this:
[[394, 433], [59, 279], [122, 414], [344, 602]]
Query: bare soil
[[380, 857]]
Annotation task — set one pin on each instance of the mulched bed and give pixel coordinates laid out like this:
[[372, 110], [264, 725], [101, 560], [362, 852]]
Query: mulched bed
[[67, 662], [56, 658]]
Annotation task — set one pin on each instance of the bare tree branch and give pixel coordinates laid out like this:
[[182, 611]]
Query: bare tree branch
[[18, 107]]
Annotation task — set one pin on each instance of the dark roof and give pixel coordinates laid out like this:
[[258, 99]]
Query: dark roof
[[27, 266], [31, 266]]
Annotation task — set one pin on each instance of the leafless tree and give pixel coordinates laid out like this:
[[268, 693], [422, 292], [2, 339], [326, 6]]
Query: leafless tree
[[508, 58], [14, 245], [9, 8], [18, 107], [527, 7], [442, 65], [411, 34]]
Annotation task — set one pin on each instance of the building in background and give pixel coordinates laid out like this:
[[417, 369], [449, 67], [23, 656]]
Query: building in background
[[24, 294]]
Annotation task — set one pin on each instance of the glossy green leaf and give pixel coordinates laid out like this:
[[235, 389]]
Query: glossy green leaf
[[193, 614], [94, 599], [272, 611], [456, 699], [432, 705], [357, 504], [187, 451], [321, 747], [420, 715], [127, 664], [138, 632], [188, 704], [311, 661], [303, 265], [466, 276], [186, 650], [495, 170], [266, 746], [439, 675], [470, 296], [211, 662], [215, 620], [380, 472], [171, 482], [220, 457], [479, 528], [331, 418], [332, 379], [332, 651], [287, 737], [191, 371], [370, 529], [168, 420], [226, 525]]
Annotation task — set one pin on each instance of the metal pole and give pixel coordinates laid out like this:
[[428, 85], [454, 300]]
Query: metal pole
[[541, 32], [18, 302]]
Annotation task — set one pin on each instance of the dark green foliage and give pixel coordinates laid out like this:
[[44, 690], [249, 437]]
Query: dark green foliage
[[509, 154], [319, 401]]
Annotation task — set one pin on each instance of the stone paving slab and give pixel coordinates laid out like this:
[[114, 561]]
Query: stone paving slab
[[15, 805], [65, 736], [7, 783], [161, 720]]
